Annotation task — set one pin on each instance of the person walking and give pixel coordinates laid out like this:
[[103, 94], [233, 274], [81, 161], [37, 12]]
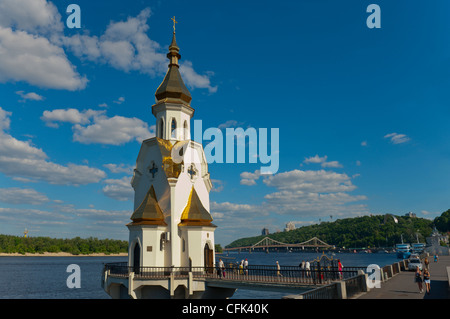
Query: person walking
[[427, 281], [418, 279], [278, 270], [241, 267], [340, 267], [246, 266], [426, 262], [308, 268], [302, 268], [221, 270]]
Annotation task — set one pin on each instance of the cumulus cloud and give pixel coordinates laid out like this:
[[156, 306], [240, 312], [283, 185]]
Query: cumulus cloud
[[322, 161], [249, 179], [22, 159], [93, 127], [113, 130], [15, 195], [307, 194], [73, 116], [37, 61], [29, 96], [397, 138], [126, 46], [121, 168], [33, 16], [119, 189]]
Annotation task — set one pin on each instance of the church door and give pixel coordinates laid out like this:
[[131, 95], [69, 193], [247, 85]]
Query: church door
[[136, 258], [208, 257]]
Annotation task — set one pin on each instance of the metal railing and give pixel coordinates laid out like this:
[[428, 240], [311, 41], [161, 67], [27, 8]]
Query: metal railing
[[254, 273]]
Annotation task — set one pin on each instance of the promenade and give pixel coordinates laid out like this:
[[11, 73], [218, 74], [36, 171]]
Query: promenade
[[402, 285]]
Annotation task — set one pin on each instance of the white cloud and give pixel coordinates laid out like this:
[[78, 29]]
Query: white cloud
[[249, 179], [195, 80], [32, 41], [120, 100], [119, 189], [33, 16], [322, 161], [21, 159], [15, 195], [397, 138], [90, 126], [113, 130], [126, 46], [29, 96], [121, 168], [334, 164], [69, 115], [37, 61], [315, 159], [218, 185]]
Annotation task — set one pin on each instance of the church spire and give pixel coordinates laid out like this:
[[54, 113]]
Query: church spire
[[173, 89]]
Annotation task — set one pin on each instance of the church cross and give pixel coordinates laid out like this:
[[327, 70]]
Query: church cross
[[191, 171], [153, 170], [174, 22]]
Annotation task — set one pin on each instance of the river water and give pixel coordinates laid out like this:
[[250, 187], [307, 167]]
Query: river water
[[46, 277]]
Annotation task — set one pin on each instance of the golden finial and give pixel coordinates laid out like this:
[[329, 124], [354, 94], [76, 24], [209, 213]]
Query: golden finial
[[174, 22]]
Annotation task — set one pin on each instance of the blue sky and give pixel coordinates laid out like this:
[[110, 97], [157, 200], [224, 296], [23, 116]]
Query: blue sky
[[362, 113]]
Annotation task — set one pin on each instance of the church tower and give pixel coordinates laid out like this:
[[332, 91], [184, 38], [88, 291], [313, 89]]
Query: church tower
[[171, 225]]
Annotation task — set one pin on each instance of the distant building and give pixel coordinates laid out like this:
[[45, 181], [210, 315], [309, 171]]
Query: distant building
[[411, 215], [289, 226], [265, 231]]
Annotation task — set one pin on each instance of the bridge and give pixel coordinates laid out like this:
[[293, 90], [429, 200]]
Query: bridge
[[266, 243], [289, 279]]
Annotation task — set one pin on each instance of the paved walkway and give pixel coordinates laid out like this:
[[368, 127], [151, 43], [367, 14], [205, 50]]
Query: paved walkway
[[402, 286]]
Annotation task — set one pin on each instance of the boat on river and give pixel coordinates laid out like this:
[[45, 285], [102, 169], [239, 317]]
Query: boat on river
[[403, 251]]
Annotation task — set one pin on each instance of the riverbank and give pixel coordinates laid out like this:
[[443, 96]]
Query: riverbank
[[61, 254]]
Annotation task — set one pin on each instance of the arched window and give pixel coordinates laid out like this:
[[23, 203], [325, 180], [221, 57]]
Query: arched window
[[186, 131], [173, 128], [161, 128]]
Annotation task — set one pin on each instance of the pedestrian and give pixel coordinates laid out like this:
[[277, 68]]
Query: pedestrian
[[221, 270], [340, 267], [436, 258], [418, 279], [278, 270], [246, 266], [241, 267], [307, 268], [426, 280], [302, 268], [426, 262]]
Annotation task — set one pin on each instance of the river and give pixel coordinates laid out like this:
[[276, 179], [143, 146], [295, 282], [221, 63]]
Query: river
[[45, 277]]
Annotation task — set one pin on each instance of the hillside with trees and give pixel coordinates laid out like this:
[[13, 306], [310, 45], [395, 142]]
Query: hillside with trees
[[367, 231], [443, 222], [75, 246]]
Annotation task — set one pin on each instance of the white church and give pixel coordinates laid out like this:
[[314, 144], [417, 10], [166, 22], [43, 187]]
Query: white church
[[171, 225]]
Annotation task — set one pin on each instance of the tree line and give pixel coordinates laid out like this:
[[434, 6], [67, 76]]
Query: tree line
[[75, 246], [367, 231]]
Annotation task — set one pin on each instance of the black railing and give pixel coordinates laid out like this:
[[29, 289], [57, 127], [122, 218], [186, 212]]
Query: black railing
[[254, 273]]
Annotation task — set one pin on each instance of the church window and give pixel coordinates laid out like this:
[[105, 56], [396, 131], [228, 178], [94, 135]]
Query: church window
[[174, 128], [161, 128], [185, 130]]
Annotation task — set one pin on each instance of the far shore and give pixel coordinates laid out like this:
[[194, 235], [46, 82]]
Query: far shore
[[61, 254]]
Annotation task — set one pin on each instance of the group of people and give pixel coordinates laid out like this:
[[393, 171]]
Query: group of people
[[424, 277], [306, 268], [243, 268]]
